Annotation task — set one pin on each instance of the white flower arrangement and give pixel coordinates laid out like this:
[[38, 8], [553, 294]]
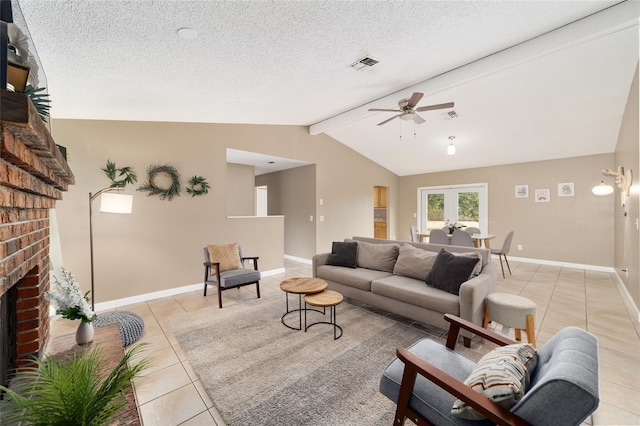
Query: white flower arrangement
[[70, 302]]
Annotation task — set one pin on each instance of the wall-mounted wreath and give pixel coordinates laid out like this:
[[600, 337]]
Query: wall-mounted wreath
[[198, 185], [153, 189], [113, 173]]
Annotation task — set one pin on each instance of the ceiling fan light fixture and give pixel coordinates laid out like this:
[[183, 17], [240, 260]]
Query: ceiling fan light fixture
[[451, 149], [406, 117]]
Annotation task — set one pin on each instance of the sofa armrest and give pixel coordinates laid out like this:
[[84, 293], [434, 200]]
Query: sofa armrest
[[318, 260], [474, 292]]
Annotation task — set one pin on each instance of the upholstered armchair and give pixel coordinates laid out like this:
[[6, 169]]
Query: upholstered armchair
[[224, 267], [427, 380]]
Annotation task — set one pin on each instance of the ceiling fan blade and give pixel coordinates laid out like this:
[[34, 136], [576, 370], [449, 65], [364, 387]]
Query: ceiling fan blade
[[438, 106], [414, 99], [379, 109], [388, 119], [417, 119]]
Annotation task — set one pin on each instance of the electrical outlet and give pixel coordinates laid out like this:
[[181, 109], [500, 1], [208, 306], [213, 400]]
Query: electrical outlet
[[520, 247], [310, 218], [415, 215], [321, 218]]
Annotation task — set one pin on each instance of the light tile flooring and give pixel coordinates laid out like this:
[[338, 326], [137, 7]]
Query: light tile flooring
[[170, 393]]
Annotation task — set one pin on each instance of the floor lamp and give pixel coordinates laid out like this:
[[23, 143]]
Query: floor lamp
[[109, 203]]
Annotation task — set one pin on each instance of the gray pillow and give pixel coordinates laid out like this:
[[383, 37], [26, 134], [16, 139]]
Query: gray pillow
[[343, 254], [380, 257], [478, 268], [414, 262], [449, 271]]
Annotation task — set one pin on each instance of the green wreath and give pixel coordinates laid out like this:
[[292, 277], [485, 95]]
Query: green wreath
[[198, 185], [164, 193]]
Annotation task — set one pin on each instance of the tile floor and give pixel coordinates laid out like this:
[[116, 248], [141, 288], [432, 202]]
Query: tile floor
[[170, 393]]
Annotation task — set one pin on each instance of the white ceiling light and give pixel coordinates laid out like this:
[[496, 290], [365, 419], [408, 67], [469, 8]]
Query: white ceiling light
[[451, 149], [187, 33]]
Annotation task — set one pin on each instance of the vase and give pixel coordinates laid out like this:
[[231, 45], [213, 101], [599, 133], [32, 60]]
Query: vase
[[84, 333]]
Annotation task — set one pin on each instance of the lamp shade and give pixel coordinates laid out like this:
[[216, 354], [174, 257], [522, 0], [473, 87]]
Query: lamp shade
[[602, 189], [116, 203], [451, 149]]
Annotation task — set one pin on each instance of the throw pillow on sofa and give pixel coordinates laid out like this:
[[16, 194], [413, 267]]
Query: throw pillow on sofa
[[502, 375], [414, 262], [450, 271], [380, 257], [478, 268], [343, 254]]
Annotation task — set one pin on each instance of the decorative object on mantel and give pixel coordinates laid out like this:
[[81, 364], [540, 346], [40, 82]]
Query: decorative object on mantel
[[40, 100], [71, 304], [198, 185], [78, 389], [153, 189], [131, 325], [114, 172]]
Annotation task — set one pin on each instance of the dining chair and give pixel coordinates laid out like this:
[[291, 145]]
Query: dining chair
[[473, 230], [438, 236], [503, 251], [461, 238], [415, 237]]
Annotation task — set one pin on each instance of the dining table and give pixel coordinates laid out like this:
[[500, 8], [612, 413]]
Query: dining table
[[478, 239]]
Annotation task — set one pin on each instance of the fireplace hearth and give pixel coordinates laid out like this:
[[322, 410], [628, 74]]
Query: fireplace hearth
[[33, 175]]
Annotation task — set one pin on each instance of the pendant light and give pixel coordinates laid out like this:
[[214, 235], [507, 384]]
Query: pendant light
[[451, 149]]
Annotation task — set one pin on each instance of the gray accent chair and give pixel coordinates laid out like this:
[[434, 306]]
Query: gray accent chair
[[230, 279], [425, 380], [438, 236], [461, 238], [415, 237], [503, 251]]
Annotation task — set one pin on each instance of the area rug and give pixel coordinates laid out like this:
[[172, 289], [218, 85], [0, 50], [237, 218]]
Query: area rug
[[258, 372]]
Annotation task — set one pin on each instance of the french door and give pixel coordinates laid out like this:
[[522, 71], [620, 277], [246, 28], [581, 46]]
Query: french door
[[462, 204]]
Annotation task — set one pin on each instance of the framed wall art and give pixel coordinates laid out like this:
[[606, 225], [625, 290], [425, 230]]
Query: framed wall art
[[522, 191], [565, 189], [543, 195]]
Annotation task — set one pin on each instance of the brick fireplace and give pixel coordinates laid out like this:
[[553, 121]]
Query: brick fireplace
[[33, 175]]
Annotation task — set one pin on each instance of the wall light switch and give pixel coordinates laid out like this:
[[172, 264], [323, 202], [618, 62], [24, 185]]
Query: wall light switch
[[321, 218], [415, 215], [519, 247], [310, 218], [321, 201]]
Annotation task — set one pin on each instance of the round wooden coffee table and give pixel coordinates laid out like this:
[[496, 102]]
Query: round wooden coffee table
[[300, 286], [327, 298]]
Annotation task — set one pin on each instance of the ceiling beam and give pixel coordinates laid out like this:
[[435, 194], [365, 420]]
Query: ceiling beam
[[616, 18]]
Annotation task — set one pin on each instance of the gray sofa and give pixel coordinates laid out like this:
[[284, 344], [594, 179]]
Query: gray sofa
[[398, 285]]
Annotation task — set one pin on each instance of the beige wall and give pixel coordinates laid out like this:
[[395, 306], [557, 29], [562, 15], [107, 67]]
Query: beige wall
[[627, 254], [292, 193], [159, 246], [569, 229], [240, 190]]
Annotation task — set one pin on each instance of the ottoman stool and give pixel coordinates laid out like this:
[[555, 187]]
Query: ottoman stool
[[511, 311], [131, 325]]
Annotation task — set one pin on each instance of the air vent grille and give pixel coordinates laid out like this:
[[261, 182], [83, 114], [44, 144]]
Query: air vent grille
[[365, 62]]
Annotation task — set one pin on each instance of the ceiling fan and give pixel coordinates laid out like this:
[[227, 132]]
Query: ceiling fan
[[407, 109]]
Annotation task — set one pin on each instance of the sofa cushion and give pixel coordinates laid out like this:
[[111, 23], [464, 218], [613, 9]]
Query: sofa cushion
[[381, 257], [343, 254], [502, 375], [450, 271], [358, 278], [476, 269], [414, 262], [414, 291]]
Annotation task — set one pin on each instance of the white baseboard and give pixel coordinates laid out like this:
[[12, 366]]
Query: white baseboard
[[112, 304], [298, 259], [556, 263], [626, 297]]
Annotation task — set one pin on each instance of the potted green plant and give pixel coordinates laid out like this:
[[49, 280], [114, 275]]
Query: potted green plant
[[77, 390]]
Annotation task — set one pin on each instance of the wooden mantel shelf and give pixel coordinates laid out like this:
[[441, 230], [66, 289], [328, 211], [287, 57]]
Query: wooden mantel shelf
[[19, 117]]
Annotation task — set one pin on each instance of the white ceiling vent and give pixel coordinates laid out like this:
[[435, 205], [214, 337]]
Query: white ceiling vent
[[365, 62], [449, 115]]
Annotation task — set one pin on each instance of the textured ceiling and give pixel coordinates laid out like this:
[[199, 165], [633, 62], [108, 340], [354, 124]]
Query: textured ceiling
[[287, 63]]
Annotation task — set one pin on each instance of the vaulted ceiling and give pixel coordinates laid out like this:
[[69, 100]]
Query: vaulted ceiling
[[531, 80]]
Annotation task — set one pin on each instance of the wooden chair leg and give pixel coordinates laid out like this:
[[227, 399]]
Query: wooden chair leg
[[518, 334], [505, 259], [486, 321], [531, 331]]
